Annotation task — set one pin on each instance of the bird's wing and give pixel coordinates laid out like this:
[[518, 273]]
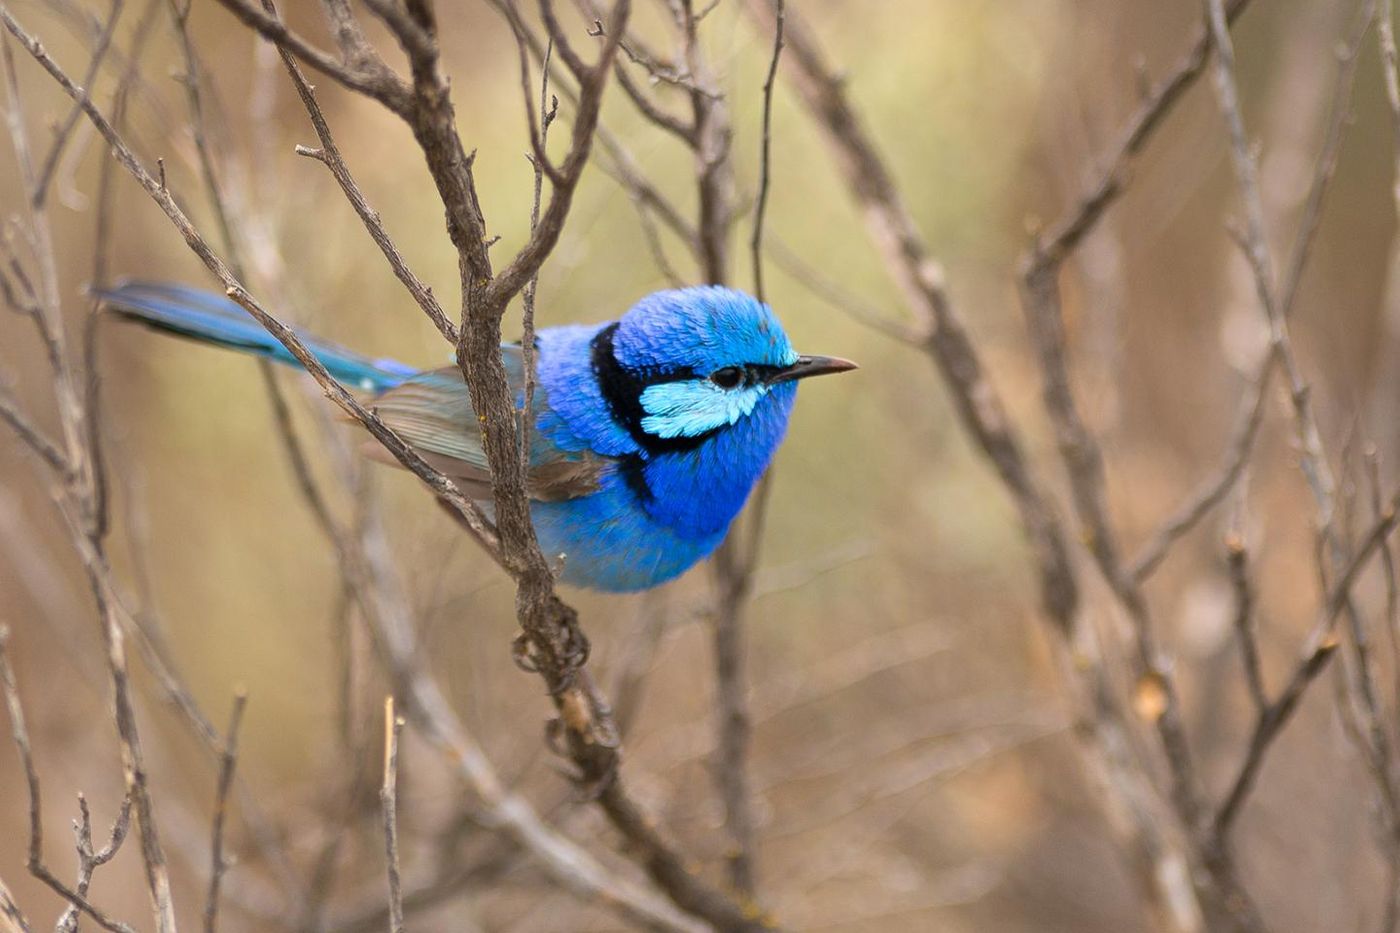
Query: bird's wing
[[433, 412]]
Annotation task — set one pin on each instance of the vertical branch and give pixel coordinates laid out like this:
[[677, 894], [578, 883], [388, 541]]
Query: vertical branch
[[1391, 619], [1378, 743], [764, 158], [1237, 558], [102, 239], [527, 295], [735, 562], [217, 863], [710, 137], [713, 137], [389, 801], [20, 732]]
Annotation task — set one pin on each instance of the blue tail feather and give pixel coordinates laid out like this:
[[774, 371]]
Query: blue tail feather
[[214, 319]]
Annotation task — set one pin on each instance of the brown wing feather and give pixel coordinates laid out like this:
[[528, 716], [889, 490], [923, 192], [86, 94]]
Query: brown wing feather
[[432, 412]]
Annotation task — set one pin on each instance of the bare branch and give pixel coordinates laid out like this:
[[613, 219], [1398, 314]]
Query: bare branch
[[1237, 559], [1061, 237], [592, 81], [671, 872], [10, 913], [1318, 649], [26, 751], [31, 434], [1312, 459], [649, 109], [636, 50], [20, 734], [764, 175], [218, 864], [64, 132], [389, 801], [88, 859], [368, 77], [329, 155], [1083, 460], [1213, 489]]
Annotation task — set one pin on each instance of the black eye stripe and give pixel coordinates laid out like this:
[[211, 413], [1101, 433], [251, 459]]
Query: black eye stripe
[[622, 389]]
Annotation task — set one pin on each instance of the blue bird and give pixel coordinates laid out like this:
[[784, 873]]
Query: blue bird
[[649, 431]]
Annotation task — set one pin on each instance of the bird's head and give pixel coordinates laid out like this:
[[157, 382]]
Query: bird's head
[[684, 364]]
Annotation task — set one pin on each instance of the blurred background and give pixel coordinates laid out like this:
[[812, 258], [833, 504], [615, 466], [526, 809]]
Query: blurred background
[[914, 760]]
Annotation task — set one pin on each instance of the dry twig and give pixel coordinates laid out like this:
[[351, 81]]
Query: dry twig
[[218, 864], [389, 801]]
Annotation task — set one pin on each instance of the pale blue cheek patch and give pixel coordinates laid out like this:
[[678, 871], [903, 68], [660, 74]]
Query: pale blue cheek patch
[[695, 406]]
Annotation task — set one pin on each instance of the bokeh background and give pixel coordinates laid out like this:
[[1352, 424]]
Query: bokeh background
[[914, 761]]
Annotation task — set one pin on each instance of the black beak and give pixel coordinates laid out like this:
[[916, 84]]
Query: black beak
[[812, 366]]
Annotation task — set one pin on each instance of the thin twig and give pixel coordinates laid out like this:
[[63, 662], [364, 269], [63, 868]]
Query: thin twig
[[10, 912], [1213, 490], [20, 733], [88, 859], [389, 801], [1062, 236], [31, 434], [1319, 647], [764, 168], [1392, 577], [369, 76], [64, 131], [1375, 744], [527, 296], [1237, 559], [328, 154], [218, 864], [1250, 418]]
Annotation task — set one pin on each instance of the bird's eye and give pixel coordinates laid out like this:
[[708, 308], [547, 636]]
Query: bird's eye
[[728, 377]]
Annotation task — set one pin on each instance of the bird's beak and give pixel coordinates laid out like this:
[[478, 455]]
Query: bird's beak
[[812, 366]]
